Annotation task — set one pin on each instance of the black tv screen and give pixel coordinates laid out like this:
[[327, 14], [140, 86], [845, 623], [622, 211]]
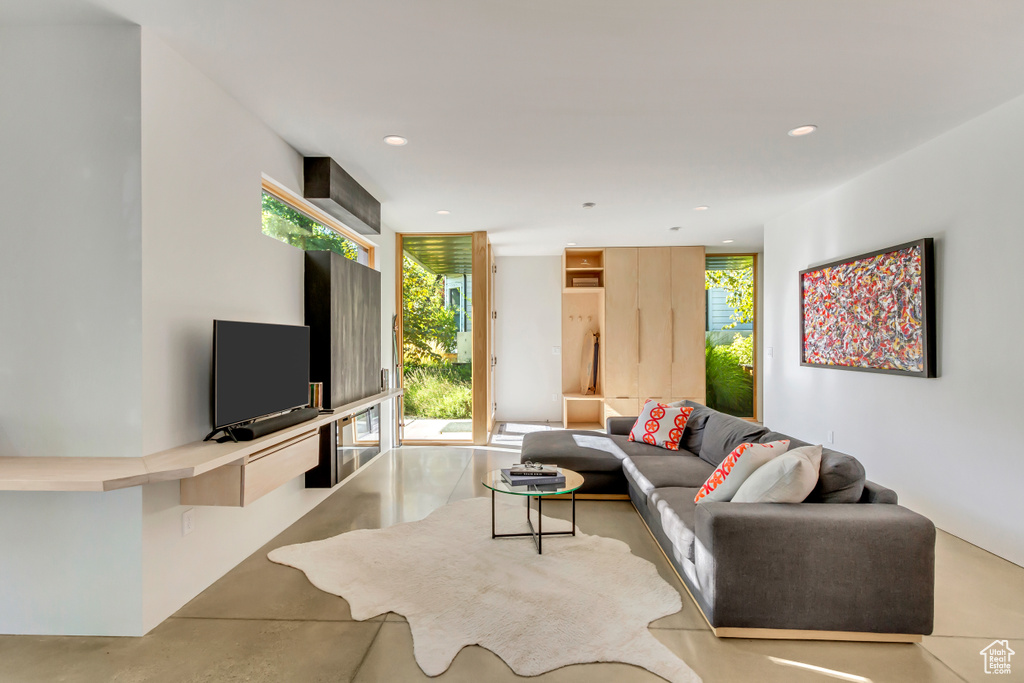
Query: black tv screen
[[258, 369]]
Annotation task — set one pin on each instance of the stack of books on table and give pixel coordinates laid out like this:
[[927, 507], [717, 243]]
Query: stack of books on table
[[547, 475]]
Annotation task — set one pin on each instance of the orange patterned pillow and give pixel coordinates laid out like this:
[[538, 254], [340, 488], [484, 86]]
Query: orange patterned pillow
[[660, 425], [737, 466]]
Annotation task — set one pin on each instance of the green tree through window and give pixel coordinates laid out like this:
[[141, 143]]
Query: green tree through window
[[428, 327], [293, 227], [739, 287]]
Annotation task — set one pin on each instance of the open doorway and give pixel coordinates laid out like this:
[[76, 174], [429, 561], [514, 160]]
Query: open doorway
[[441, 332], [731, 375]]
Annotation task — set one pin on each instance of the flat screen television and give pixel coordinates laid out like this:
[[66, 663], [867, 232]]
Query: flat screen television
[[258, 369]]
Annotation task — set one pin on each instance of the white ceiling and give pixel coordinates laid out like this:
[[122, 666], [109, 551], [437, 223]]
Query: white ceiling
[[518, 112]]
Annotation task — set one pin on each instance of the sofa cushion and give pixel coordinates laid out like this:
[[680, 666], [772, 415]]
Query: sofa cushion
[[582, 451], [723, 433], [840, 479], [693, 434], [779, 436], [672, 470], [675, 508], [632, 448]]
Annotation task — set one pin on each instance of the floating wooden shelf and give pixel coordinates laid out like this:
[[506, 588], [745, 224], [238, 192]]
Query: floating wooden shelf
[[41, 473], [583, 397]]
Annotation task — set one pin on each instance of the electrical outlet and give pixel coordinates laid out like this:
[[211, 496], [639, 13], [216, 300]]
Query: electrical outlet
[[770, 352], [556, 350], [554, 397], [188, 521], [831, 437]]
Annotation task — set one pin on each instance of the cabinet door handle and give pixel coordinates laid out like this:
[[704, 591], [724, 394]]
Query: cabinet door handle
[[672, 331], [638, 335]]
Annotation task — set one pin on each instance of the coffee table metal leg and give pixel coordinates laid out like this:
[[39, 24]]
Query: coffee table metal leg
[[540, 524], [536, 532], [573, 512]]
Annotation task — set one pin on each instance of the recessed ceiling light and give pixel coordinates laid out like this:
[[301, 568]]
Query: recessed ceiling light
[[443, 212], [802, 130], [395, 140], [570, 244], [728, 241], [589, 205], [701, 208], [676, 227]]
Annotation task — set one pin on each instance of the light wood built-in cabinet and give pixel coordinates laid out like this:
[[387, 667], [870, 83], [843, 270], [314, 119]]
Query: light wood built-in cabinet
[[583, 308], [651, 317]]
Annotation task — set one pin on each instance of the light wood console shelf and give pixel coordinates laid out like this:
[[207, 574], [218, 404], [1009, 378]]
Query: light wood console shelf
[[40, 473]]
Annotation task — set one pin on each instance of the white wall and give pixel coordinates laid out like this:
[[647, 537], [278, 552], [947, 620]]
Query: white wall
[[70, 328], [205, 257], [947, 445], [528, 299]]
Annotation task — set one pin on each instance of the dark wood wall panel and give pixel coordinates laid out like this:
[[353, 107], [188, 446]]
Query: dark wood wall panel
[[343, 314]]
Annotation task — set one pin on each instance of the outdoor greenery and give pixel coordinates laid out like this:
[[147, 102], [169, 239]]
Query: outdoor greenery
[[428, 328], [439, 391], [742, 349], [729, 386], [434, 386], [282, 222], [739, 287]]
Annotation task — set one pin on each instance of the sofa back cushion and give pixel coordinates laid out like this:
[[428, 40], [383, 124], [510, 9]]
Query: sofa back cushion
[[693, 435], [723, 433], [840, 477]]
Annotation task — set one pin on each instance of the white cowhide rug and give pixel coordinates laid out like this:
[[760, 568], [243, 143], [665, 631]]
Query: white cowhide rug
[[586, 599]]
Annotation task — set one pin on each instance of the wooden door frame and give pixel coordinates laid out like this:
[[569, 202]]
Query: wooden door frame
[[481, 338], [481, 347], [492, 406]]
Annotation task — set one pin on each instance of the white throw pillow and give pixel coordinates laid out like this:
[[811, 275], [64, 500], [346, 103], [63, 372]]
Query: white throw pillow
[[744, 460], [789, 478]]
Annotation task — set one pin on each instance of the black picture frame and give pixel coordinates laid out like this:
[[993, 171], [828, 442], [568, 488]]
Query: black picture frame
[[928, 330]]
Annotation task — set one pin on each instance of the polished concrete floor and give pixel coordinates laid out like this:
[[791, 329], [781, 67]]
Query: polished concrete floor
[[266, 622]]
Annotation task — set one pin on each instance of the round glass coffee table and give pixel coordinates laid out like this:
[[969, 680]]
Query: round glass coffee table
[[573, 480]]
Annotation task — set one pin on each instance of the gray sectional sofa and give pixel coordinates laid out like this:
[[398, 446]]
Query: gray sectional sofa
[[847, 563]]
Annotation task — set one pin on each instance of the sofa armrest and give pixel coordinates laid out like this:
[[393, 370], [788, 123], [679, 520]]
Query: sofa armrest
[[619, 425], [824, 567], [876, 493]]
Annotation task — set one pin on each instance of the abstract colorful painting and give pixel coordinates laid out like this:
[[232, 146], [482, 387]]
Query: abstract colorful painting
[[871, 312]]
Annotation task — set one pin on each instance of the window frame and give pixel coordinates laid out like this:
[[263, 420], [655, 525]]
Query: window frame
[[283, 194]]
